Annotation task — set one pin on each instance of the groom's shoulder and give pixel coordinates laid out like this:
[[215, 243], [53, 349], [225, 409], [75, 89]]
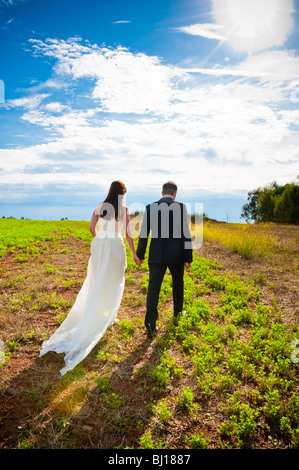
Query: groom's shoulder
[[152, 204], [161, 201], [158, 204]]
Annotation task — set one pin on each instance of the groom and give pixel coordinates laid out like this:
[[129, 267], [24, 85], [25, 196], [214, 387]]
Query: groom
[[170, 247]]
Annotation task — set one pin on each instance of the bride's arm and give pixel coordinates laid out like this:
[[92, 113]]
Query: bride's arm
[[94, 219], [129, 237], [93, 223]]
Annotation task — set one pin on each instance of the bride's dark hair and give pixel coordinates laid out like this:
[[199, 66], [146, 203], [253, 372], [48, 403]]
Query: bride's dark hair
[[110, 206]]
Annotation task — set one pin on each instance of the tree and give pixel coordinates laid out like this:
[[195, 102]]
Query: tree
[[273, 203], [249, 210], [287, 204], [265, 205]]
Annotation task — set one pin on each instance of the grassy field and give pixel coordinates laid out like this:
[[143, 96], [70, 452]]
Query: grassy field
[[225, 377]]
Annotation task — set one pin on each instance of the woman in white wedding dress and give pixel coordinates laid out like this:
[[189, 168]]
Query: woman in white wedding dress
[[98, 301]]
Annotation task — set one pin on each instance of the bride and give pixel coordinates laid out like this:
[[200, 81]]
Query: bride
[[98, 301]]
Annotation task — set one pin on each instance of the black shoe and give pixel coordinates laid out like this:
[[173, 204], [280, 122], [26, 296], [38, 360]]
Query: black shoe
[[151, 332], [176, 318]]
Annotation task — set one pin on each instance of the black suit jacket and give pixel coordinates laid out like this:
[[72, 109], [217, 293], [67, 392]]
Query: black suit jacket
[[171, 243]]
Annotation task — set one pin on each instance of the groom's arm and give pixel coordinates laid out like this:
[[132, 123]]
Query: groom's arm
[[143, 236], [186, 235]]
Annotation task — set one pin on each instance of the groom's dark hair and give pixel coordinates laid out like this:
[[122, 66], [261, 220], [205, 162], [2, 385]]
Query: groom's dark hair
[[169, 188]]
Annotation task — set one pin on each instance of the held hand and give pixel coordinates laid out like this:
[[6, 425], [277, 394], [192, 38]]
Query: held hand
[[136, 260]]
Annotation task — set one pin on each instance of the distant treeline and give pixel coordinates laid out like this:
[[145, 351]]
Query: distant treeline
[[273, 203]]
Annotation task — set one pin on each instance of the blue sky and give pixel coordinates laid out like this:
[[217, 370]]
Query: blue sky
[[201, 92]]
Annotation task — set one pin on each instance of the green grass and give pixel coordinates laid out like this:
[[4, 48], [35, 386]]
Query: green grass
[[28, 235], [224, 377], [244, 239]]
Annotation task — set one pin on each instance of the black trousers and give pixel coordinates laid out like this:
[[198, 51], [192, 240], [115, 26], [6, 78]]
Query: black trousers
[[156, 276]]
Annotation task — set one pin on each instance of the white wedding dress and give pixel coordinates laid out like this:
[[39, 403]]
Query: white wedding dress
[[98, 301]]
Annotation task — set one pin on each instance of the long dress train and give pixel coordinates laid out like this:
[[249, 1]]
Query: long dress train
[[98, 301]]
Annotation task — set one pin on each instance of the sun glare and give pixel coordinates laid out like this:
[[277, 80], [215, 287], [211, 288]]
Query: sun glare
[[254, 25]]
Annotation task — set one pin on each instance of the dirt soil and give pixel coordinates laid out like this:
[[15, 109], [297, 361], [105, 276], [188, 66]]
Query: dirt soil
[[27, 379]]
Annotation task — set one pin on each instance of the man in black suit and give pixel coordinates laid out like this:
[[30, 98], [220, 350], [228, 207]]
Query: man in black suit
[[170, 247]]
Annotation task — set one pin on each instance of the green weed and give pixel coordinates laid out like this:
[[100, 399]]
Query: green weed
[[126, 329], [103, 383], [162, 411], [166, 370], [197, 441], [186, 400], [113, 400]]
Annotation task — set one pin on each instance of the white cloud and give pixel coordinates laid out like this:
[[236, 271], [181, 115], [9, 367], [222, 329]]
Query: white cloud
[[254, 25], [281, 64], [29, 102], [147, 117], [205, 30], [12, 3], [125, 82], [249, 26], [55, 107], [276, 66]]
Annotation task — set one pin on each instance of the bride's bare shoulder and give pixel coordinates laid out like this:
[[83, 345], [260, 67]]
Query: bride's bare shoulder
[[98, 208]]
